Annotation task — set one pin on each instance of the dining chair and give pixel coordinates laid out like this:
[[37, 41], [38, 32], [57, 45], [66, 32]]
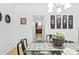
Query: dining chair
[[49, 38], [38, 52], [23, 45]]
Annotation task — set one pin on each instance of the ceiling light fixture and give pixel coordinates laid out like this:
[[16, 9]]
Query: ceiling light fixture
[[58, 6]]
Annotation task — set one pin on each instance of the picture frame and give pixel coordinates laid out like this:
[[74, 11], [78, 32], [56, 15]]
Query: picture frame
[[23, 20], [58, 21], [64, 21], [70, 21], [52, 21]]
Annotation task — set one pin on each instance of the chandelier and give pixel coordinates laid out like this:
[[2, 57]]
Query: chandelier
[[58, 7]]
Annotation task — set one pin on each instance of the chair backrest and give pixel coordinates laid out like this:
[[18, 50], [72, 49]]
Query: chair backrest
[[23, 44], [49, 38]]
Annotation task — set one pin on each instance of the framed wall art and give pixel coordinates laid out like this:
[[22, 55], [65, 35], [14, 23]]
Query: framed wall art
[[23, 20], [52, 21], [7, 19], [58, 19], [70, 21], [64, 21]]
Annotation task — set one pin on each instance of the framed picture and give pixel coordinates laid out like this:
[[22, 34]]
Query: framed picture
[[70, 21], [58, 19], [23, 20], [64, 21], [52, 21]]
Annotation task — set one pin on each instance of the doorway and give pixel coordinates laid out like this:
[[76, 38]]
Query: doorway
[[38, 28]]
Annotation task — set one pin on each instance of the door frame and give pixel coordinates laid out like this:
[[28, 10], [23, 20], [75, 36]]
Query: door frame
[[42, 17]]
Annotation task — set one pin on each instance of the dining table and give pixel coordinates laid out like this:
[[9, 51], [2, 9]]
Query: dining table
[[50, 47]]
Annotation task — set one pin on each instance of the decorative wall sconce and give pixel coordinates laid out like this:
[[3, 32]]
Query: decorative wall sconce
[[52, 21], [0, 16], [64, 21], [58, 19], [23, 20], [70, 21], [7, 19]]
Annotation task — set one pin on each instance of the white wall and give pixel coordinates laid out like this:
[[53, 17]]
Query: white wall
[[6, 30], [11, 34], [70, 34], [29, 10]]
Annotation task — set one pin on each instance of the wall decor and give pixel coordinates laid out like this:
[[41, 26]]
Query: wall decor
[[23, 20], [64, 21], [52, 21], [0, 16], [70, 21], [7, 19], [58, 19]]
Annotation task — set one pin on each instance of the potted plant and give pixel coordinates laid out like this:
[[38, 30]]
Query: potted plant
[[58, 39]]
